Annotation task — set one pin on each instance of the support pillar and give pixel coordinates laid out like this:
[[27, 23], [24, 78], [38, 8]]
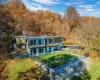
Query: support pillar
[[58, 48], [53, 40], [43, 41], [47, 41], [44, 50], [52, 49], [37, 51], [29, 52], [33, 54]]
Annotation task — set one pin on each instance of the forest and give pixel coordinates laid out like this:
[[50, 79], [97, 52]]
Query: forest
[[15, 19], [75, 29]]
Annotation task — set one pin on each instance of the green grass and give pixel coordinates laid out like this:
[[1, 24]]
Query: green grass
[[95, 69], [17, 66], [56, 59]]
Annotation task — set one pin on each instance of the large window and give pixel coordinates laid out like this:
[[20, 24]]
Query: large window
[[34, 51], [31, 42], [46, 41], [50, 41], [41, 50], [40, 41], [34, 41], [50, 49], [56, 48], [57, 40], [46, 49]]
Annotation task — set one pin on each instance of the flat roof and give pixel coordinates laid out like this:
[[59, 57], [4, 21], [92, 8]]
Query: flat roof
[[36, 36]]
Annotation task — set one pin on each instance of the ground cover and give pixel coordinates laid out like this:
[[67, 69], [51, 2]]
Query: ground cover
[[56, 59], [95, 69], [18, 66]]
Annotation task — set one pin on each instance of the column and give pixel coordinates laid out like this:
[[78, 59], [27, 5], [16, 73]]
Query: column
[[29, 52], [52, 49], [27, 44], [58, 48], [47, 49], [33, 54], [43, 41], [37, 51], [44, 50], [47, 41], [37, 41], [53, 40]]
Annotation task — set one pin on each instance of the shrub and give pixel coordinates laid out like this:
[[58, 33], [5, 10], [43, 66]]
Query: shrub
[[85, 76], [98, 78]]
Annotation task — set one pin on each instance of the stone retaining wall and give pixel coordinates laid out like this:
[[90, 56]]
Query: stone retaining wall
[[72, 70], [68, 71]]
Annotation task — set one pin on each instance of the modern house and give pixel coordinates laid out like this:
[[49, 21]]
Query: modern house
[[37, 45]]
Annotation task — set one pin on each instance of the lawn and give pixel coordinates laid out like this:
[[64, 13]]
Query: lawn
[[17, 66], [56, 59], [95, 69]]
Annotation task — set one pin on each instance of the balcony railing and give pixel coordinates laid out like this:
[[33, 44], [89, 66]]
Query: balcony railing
[[47, 45]]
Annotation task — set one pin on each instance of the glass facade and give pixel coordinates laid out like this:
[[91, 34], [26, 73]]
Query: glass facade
[[50, 49], [56, 48], [31, 42], [57, 40], [46, 42], [34, 41], [33, 51], [44, 45], [40, 41], [41, 50], [50, 41]]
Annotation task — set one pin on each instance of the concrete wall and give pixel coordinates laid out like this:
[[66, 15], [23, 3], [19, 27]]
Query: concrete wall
[[72, 70]]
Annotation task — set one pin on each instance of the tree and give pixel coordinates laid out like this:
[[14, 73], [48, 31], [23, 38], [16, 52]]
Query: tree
[[71, 13], [89, 35], [6, 29], [29, 24]]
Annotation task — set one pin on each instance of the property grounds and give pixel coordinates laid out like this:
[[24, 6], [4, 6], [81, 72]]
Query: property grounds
[[21, 69]]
